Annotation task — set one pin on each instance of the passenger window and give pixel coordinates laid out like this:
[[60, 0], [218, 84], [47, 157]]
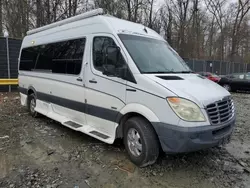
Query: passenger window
[[28, 58], [67, 57], [247, 76], [241, 76], [61, 57], [100, 45], [233, 76]]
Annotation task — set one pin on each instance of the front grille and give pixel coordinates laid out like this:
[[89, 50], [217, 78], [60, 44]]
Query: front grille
[[220, 111]]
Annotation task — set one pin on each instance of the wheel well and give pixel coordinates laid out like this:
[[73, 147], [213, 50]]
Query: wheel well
[[30, 91], [119, 130]]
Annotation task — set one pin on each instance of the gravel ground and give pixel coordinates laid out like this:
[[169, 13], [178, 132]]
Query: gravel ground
[[42, 153]]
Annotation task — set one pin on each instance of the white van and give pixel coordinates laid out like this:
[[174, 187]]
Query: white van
[[110, 78]]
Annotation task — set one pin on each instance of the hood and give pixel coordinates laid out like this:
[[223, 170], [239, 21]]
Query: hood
[[191, 86]]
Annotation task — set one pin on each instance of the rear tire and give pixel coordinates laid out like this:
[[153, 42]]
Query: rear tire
[[141, 141], [32, 104]]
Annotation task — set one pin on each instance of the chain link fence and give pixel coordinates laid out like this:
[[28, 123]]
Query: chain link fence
[[218, 67], [10, 57]]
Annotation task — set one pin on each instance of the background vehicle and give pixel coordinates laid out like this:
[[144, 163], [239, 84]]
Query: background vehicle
[[234, 82], [210, 76]]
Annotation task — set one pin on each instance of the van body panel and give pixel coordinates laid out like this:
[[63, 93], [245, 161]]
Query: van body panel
[[50, 90], [152, 96], [193, 87], [140, 109], [127, 27], [105, 96]]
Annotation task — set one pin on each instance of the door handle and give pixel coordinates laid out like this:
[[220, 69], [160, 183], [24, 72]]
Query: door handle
[[79, 79], [93, 81]]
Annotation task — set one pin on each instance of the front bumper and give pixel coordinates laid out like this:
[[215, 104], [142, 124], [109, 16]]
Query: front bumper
[[175, 139]]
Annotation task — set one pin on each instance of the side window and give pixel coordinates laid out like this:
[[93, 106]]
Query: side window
[[67, 57], [28, 58], [241, 76], [100, 45], [248, 77], [44, 59], [61, 57], [238, 76], [232, 76]]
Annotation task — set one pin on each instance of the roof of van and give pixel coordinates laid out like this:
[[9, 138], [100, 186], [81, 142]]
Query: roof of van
[[67, 29]]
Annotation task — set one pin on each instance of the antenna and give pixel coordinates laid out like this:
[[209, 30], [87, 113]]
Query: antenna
[[85, 15]]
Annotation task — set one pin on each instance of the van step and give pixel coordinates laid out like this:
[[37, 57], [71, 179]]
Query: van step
[[72, 124], [103, 136]]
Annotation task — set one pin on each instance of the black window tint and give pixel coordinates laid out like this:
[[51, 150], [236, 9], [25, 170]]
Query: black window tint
[[61, 57], [99, 48], [44, 59], [28, 58], [68, 56]]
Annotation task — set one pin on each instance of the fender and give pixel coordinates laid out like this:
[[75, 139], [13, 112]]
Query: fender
[[31, 88], [140, 109]]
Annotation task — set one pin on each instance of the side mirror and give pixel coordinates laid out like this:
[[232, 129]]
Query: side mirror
[[112, 54]]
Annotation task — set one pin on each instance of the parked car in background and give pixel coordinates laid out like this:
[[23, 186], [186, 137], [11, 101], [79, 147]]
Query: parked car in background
[[234, 82], [210, 76]]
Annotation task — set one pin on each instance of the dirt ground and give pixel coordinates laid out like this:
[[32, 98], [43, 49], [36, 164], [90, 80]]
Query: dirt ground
[[43, 153]]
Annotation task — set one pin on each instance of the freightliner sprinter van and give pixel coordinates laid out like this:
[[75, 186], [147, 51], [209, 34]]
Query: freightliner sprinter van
[[110, 78]]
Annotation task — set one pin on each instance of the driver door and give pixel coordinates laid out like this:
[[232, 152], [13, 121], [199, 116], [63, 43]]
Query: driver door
[[105, 95]]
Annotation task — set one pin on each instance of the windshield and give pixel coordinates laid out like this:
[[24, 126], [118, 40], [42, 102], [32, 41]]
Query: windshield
[[153, 56]]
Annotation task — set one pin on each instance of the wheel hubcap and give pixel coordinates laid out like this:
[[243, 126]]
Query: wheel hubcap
[[32, 105], [134, 142]]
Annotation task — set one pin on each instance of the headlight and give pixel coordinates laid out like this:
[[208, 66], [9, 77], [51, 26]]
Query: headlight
[[186, 109]]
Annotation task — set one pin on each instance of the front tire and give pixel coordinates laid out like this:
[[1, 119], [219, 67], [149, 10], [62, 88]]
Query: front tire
[[141, 141], [32, 105]]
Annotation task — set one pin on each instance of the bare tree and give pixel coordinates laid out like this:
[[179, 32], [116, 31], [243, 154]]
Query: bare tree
[[243, 7], [38, 13], [213, 29], [216, 8]]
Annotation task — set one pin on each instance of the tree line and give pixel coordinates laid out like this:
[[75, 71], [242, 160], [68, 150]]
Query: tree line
[[199, 29]]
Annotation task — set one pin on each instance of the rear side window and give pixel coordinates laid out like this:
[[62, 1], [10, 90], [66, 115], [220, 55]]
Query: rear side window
[[61, 57], [28, 58], [238, 76]]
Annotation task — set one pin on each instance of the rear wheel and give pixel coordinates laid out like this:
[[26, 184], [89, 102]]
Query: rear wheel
[[141, 141], [32, 105], [227, 87]]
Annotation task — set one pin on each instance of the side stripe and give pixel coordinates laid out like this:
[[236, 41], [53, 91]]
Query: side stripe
[[100, 112]]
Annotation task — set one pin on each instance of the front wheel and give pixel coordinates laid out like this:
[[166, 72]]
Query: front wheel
[[141, 141]]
